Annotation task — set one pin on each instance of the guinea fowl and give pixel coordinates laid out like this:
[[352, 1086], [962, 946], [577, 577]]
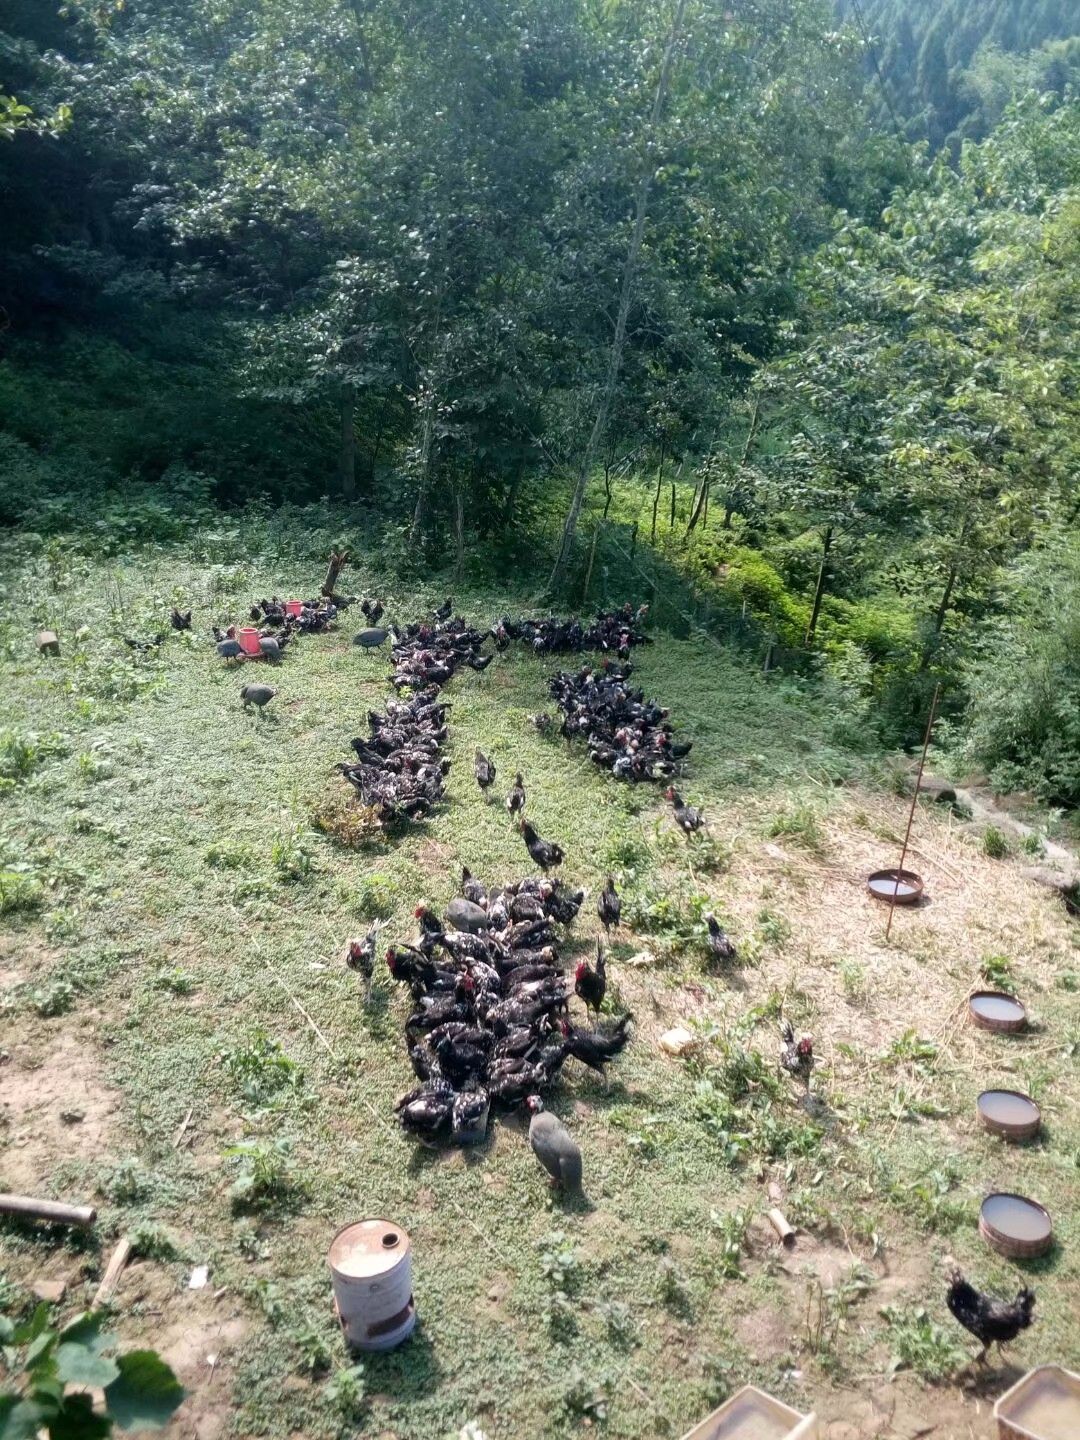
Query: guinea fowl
[[592, 1047], [721, 946], [515, 801], [484, 771], [687, 817], [553, 1146], [464, 915], [990, 1320], [258, 695], [590, 984], [229, 649], [796, 1056], [609, 906], [546, 853], [371, 638]]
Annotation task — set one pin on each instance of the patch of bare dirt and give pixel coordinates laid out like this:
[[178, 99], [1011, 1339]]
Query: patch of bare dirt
[[54, 1107]]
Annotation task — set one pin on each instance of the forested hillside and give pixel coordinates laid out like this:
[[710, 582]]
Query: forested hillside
[[946, 69], [492, 275]]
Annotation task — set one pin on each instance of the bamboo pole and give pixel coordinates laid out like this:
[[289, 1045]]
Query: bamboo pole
[[914, 802], [51, 1210]]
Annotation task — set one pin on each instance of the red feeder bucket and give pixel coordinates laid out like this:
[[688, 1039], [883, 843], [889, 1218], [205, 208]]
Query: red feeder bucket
[[249, 640], [294, 607]]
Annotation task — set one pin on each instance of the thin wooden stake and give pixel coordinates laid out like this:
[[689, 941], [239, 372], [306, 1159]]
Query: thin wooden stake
[[914, 802], [113, 1271], [588, 572], [183, 1127]]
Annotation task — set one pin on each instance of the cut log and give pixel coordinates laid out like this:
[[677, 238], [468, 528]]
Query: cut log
[[785, 1232], [51, 1210], [48, 642]]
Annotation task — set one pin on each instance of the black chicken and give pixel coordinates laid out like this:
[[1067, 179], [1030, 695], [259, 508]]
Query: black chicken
[[446, 609], [990, 1320], [590, 984], [471, 888], [609, 906], [373, 609], [592, 1047], [180, 619], [484, 771], [515, 801], [687, 817], [721, 946], [546, 853]]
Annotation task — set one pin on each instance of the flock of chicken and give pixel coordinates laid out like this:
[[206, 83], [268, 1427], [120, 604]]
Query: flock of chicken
[[626, 734], [491, 1022], [399, 769], [614, 630]]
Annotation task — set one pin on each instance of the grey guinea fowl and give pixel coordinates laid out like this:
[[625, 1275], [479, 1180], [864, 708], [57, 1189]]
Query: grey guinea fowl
[[270, 648], [259, 695], [370, 639], [230, 649], [554, 1146], [464, 915]]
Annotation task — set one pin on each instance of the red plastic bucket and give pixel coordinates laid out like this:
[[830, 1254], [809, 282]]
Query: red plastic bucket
[[249, 640], [293, 607]]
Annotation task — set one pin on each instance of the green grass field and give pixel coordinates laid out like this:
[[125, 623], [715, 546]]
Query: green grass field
[[171, 967]]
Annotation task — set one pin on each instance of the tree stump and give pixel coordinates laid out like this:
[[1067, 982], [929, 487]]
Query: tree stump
[[338, 560]]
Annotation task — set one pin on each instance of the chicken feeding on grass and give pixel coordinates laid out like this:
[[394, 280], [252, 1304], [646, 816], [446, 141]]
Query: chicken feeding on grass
[[688, 817], [592, 1047], [721, 946], [990, 1320], [546, 853], [515, 801], [484, 771], [180, 619], [553, 1146], [590, 984], [796, 1056], [609, 906]]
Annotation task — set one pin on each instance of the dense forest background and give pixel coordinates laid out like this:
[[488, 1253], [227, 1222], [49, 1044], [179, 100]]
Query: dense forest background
[[783, 291]]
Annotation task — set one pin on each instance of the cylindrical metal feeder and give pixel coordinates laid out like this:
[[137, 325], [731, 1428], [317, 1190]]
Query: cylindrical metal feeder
[[371, 1269]]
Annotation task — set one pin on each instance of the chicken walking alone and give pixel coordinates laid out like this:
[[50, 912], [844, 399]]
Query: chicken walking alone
[[515, 801], [688, 817], [546, 853], [257, 695], [992, 1321], [796, 1056], [590, 984], [554, 1146], [484, 771], [609, 906], [360, 956], [721, 946]]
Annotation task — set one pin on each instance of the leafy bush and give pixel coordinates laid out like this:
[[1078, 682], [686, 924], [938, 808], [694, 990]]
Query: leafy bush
[[919, 1344], [50, 1373]]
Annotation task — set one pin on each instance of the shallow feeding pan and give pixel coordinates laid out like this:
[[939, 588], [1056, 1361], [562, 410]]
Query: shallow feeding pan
[[895, 887], [994, 1010], [1015, 1226], [1008, 1113], [751, 1414], [1043, 1405]]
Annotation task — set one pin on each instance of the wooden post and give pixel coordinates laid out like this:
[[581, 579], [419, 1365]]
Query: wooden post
[[459, 533], [113, 1271], [914, 802]]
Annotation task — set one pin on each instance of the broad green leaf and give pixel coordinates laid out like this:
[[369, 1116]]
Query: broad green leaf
[[145, 1393], [21, 1419], [79, 1365], [78, 1420], [86, 1330]]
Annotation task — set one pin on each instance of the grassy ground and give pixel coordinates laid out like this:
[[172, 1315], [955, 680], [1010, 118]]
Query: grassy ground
[[170, 964]]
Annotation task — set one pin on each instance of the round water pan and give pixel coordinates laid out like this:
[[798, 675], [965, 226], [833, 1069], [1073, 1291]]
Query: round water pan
[[994, 1010], [895, 887], [1008, 1113], [1015, 1226]]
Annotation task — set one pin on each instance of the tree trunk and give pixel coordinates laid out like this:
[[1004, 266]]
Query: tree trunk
[[633, 256], [347, 452], [338, 560], [819, 588], [376, 447], [426, 433], [671, 522], [701, 505], [705, 513], [607, 485], [943, 607], [656, 497], [510, 504], [459, 534]]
